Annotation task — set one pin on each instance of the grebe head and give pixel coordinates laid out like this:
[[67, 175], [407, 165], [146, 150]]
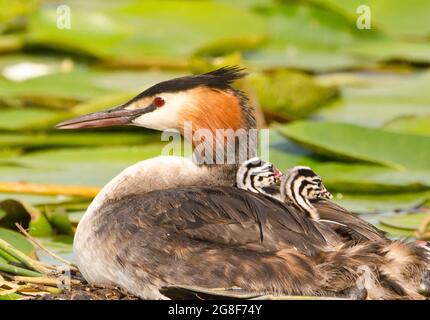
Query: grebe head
[[207, 100], [256, 174], [300, 185], [204, 108]]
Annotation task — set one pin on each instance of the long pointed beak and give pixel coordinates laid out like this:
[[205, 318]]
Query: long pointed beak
[[111, 117]]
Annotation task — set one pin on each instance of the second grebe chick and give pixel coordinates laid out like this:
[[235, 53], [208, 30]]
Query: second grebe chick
[[299, 186]]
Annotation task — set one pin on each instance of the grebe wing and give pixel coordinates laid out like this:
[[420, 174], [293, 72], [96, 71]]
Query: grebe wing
[[347, 224], [224, 216]]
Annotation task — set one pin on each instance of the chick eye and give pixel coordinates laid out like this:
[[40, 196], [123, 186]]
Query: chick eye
[[158, 102]]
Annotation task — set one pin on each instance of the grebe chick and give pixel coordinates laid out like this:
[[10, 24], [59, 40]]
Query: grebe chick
[[299, 186], [304, 189], [258, 176]]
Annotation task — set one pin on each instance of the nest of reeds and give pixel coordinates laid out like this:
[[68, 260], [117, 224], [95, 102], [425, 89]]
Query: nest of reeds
[[24, 277]]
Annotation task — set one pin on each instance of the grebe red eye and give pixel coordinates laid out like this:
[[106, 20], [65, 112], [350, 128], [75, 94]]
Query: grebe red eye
[[158, 102]]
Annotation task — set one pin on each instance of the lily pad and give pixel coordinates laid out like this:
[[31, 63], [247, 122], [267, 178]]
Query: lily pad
[[68, 82], [373, 203], [131, 30], [346, 176], [372, 99], [15, 119], [404, 221], [396, 233], [290, 94], [79, 166], [38, 200], [10, 43], [389, 16], [347, 141], [11, 11], [74, 139], [310, 37], [410, 124], [14, 211]]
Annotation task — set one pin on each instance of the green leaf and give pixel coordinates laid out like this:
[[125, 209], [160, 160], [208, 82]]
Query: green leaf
[[40, 227], [76, 139], [374, 99], [356, 177], [68, 82], [347, 176], [372, 202], [304, 59], [60, 220], [404, 221], [79, 166], [290, 94], [391, 49], [14, 211], [63, 89], [310, 37], [10, 296], [389, 16], [15, 119], [10, 43], [10, 11], [9, 153], [132, 30], [346, 141], [38, 200], [18, 241], [397, 233], [410, 124]]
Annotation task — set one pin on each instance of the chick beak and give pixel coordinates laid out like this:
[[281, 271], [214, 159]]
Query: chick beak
[[326, 195], [111, 117], [277, 174]]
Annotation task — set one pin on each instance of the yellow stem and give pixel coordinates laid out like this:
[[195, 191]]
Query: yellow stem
[[42, 280], [48, 189]]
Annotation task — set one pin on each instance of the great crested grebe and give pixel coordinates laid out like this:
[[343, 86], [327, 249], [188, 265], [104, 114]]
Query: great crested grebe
[[304, 189], [168, 221]]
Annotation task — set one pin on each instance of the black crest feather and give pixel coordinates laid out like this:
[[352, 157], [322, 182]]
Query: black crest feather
[[221, 79]]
